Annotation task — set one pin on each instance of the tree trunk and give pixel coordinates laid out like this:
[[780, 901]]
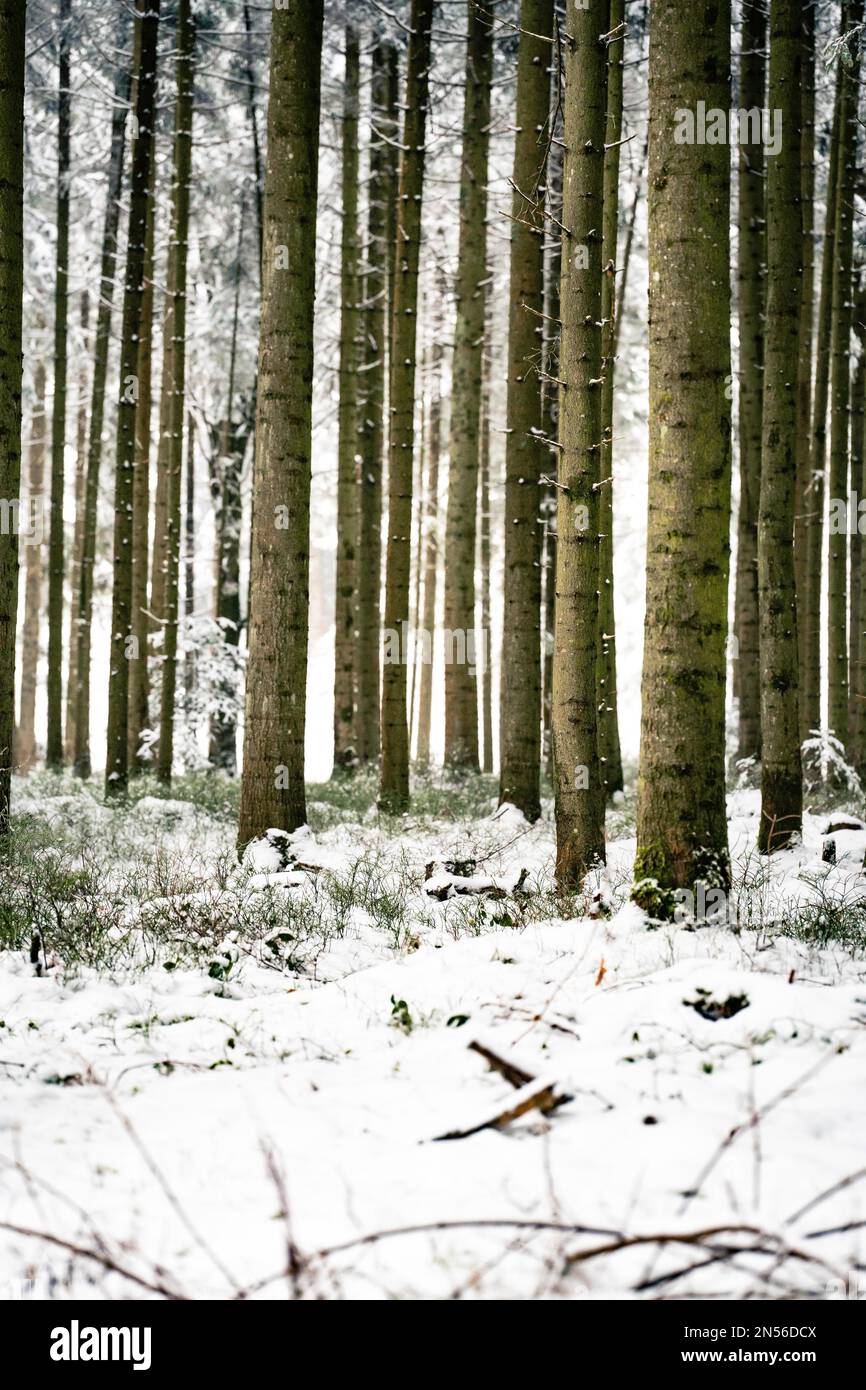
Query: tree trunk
[[78, 534], [428, 552], [139, 684], [840, 386], [804, 378], [484, 567], [609, 753], [682, 830], [520, 694], [815, 490], [272, 783], [347, 486], [249, 75], [189, 549], [461, 693], [170, 455], [750, 294], [12, 49], [54, 741], [781, 782], [550, 417], [577, 786], [116, 761], [394, 769], [856, 689], [379, 258], [34, 571], [84, 599]]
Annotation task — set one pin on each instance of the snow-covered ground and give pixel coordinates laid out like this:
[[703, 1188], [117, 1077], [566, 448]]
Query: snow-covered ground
[[210, 1128]]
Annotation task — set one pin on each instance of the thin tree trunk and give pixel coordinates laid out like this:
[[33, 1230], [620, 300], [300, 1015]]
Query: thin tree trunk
[[379, 258], [54, 742], [420, 501], [609, 753], [394, 768], [815, 490], [34, 573], [840, 386], [347, 487], [750, 294], [170, 455], [577, 786], [116, 761], [189, 549], [781, 782], [12, 50], [461, 693], [252, 114], [550, 419], [856, 692], [520, 693], [102, 341], [484, 567], [428, 551], [139, 684], [804, 378], [78, 534], [682, 829], [272, 783]]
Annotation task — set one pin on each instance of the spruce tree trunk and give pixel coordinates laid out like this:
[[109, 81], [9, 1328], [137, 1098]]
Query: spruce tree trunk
[[810, 694], [116, 760], [394, 768], [78, 533], [840, 385], [484, 567], [12, 49], [379, 257], [170, 455], [34, 569], [609, 753], [550, 423], [272, 783], [347, 485], [525, 455], [54, 741], [804, 379], [750, 293], [428, 555], [781, 783], [461, 693], [682, 830], [577, 786], [189, 550], [856, 690], [258, 178], [139, 684], [83, 601]]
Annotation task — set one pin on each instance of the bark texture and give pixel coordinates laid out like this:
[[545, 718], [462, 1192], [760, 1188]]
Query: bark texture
[[525, 455], [781, 783], [272, 781], [682, 830], [34, 574], [394, 768]]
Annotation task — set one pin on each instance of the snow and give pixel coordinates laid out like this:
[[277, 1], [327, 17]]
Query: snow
[[191, 1123]]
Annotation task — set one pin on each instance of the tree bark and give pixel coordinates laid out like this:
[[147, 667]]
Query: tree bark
[[577, 786], [428, 551], [78, 533], [840, 385], [34, 572], [781, 781], [170, 454], [272, 782], [139, 683], [84, 599], [379, 258], [116, 761], [609, 753], [54, 741], [12, 50], [750, 294], [856, 687], [345, 741], [804, 377], [682, 830], [520, 694], [461, 692], [484, 567], [394, 767]]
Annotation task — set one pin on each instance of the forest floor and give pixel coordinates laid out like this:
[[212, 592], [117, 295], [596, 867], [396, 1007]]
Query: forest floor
[[222, 1081]]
